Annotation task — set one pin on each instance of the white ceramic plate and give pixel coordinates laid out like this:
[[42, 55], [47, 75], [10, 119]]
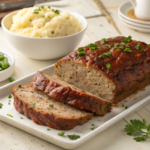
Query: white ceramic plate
[[133, 23], [101, 123], [145, 30], [123, 11]]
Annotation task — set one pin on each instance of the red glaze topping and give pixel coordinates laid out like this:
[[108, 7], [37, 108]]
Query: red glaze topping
[[119, 59]]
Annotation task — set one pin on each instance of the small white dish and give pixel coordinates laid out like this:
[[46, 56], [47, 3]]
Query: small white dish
[[44, 48], [133, 23], [123, 11], [136, 28], [5, 74]]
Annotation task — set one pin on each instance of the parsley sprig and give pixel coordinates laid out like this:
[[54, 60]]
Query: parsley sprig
[[92, 46], [138, 126], [128, 39]]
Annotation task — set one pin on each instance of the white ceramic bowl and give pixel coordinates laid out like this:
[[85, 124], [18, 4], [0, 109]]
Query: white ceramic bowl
[[44, 48], [5, 74]]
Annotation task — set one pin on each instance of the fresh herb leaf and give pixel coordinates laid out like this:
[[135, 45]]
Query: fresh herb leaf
[[108, 54], [48, 129], [48, 16], [21, 117], [52, 32], [80, 49], [30, 19], [42, 7], [126, 107], [19, 85], [108, 66], [51, 105], [35, 12], [9, 115], [93, 128], [123, 44], [1, 105], [8, 103], [137, 126], [33, 105], [92, 46], [115, 45], [80, 54], [143, 49], [113, 38], [11, 79], [101, 56], [43, 16], [128, 39], [73, 137], [10, 96], [148, 45], [49, 7], [56, 11], [122, 105], [61, 133], [92, 124], [128, 50]]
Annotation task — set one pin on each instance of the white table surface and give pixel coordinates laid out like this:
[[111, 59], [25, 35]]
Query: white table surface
[[113, 138]]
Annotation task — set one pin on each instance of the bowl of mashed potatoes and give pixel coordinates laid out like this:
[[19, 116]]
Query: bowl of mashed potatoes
[[44, 33]]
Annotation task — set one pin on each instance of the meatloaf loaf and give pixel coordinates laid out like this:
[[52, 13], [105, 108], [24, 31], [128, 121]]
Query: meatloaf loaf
[[111, 69], [69, 94], [45, 110]]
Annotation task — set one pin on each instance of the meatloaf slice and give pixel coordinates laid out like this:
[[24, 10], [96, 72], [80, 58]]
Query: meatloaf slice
[[44, 110], [69, 94], [111, 69]]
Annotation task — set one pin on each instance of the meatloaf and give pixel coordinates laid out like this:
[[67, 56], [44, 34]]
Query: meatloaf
[[69, 94], [45, 110], [111, 69]]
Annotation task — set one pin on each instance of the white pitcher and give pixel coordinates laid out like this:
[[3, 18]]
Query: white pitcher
[[141, 9]]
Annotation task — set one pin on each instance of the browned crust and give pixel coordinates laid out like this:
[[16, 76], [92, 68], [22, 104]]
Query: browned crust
[[42, 118], [70, 96], [129, 71]]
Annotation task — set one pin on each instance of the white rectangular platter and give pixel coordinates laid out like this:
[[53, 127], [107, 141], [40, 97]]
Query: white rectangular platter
[[85, 132]]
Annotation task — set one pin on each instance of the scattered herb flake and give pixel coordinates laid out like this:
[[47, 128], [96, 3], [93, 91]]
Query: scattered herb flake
[[52, 32], [137, 47], [148, 45], [128, 50], [8, 103], [61, 133], [126, 107], [128, 39], [9, 115], [49, 7], [1, 105], [92, 46], [108, 66], [107, 45], [49, 17], [42, 7], [104, 40], [11, 79], [101, 56], [30, 20], [21, 117], [80, 54], [56, 11], [35, 12], [123, 44], [10, 96], [92, 124], [43, 16], [73, 137], [51, 105], [80, 49], [108, 54], [122, 105], [19, 85], [101, 25], [33, 105], [93, 128], [48, 129], [143, 49], [113, 38]]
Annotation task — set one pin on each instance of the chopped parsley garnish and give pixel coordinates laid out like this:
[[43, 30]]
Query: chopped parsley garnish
[[11, 79], [48, 129], [9, 96], [73, 137], [9, 115], [128, 39], [123, 43], [104, 40], [30, 20], [49, 7], [19, 85], [108, 66], [128, 50], [80, 54], [61, 133], [33, 105], [80, 49], [136, 127], [1, 105], [126, 107], [21, 117], [42, 7], [101, 56], [51, 105], [43, 16], [101, 25], [121, 47], [122, 105], [35, 12], [93, 128], [143, 49], [92, 46], [137, 46], [52, 32], [148, 45], [49, 17], [8, 103], [56, 11], [115, 46], [9, 100], [92, 124], [107, 45], [113, 38], [108, 54]]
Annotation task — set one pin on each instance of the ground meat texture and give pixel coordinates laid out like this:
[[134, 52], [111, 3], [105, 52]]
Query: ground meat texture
[[129, 71]]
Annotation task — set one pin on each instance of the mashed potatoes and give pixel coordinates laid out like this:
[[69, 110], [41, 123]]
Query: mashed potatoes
[[44, 22]]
